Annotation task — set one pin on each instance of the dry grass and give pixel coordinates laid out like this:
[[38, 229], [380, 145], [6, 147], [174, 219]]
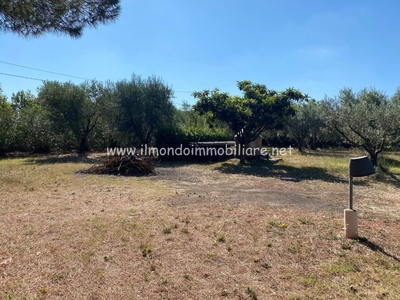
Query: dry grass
[[71, 236]]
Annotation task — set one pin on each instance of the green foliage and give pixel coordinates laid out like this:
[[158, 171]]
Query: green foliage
[[32, 127], [6, 124], [63, 103], [93, 115], [73, 111], [189, 126], [367, 119], [197, 128], [66, 117], [34, 18], [259, 109], [143, 109], [307, 127], [395, 104]]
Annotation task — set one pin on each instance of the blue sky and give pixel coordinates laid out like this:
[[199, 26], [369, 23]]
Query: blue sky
[[318, 47]]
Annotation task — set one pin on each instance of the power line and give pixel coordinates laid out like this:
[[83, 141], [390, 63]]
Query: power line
[[72, 76], [31, 78], [36, 69], [38, 79]]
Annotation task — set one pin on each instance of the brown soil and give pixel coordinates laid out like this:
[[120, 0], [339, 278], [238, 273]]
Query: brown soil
[[194, 185], [191, 233]]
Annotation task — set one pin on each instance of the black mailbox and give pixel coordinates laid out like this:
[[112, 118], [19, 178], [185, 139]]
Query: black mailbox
[[358, 167], [361, 166]]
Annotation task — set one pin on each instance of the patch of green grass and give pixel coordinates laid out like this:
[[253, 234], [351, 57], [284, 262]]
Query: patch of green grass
[[221, 238], [56, 278], [146, 249], [283, 225], [147, 277], [43, 290], [271, 224], [391, 163], [309, 280], [107, 258], [167, 230], [346, 246], [28, 231], [252, 294], [266, 265], [341, 267], [303, 221], [254, 236]]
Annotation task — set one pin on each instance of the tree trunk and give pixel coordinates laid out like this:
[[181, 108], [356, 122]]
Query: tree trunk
[[242, 158], [313, 143], [374, 158], [240, 148], [300, 146], [83, 145]]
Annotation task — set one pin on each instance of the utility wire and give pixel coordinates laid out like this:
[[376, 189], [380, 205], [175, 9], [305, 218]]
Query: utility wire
[[31, 78], [56, 73]]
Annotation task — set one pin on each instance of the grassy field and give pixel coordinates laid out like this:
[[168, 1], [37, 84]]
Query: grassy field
[[216, 230]]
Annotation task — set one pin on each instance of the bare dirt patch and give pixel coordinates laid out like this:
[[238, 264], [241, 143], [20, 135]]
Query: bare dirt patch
[[194, 185]]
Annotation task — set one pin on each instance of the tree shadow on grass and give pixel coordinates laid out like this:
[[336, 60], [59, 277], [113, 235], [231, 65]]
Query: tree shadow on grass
[[326, 152], [385, 176], [374, 247], [390, 162], [62, 159], [167, 163], [275, 169]]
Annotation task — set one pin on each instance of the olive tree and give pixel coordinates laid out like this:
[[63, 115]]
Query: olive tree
[[73, 110], [144, 107], [367, 119]]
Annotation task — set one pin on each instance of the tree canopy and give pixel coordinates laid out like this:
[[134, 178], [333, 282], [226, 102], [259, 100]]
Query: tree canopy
[[259, 108], [367, 119], [72, 109], [5, 122], [144, 107], [36, 17], [306, 125]]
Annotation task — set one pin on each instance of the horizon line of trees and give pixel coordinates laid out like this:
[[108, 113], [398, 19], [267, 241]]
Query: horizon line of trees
[[93, 116]]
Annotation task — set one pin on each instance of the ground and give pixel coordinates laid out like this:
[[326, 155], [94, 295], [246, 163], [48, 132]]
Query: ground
[[215, 230]]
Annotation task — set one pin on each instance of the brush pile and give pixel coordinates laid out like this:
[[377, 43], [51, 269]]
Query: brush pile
[[124, 165]]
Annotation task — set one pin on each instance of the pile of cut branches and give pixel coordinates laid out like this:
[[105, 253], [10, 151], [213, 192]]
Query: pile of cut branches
[[124, 165]]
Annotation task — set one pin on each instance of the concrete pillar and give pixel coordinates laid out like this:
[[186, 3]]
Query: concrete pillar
[[351, 223]]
